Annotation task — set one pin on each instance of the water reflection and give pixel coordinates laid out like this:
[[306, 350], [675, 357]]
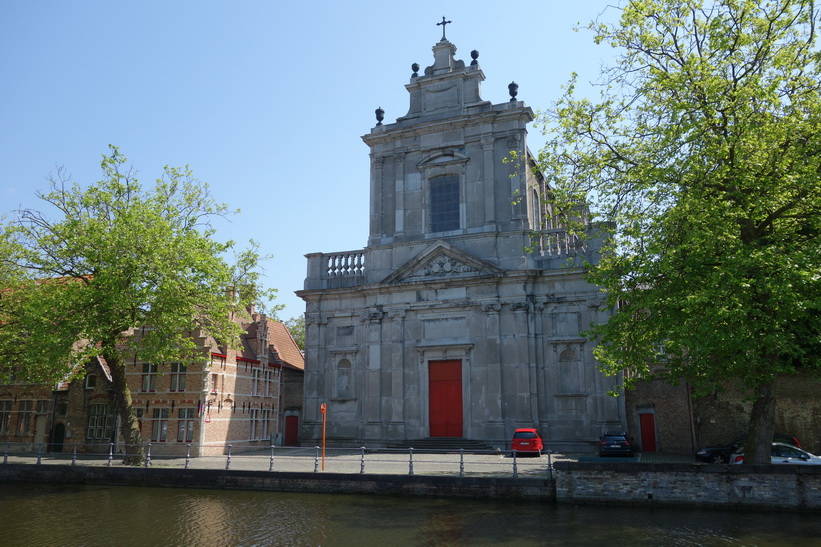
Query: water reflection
[[44, 515]]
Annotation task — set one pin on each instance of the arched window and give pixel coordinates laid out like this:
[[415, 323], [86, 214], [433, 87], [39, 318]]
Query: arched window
[[343, 379], [569, 371], [535, 209], [444, 203]]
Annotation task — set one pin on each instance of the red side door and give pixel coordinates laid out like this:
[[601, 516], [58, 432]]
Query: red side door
[[445, 392], [647, 424], [291, 431]]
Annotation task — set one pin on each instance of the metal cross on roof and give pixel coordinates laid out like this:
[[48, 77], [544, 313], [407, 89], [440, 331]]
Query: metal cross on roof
[[443, 23]]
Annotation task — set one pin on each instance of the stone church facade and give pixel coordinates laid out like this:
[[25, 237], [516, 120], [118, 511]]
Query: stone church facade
[[445, 325]]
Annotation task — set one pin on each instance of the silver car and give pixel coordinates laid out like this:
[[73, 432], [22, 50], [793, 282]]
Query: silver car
[[781, 454]]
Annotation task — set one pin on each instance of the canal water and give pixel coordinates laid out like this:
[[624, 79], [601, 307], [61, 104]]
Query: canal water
[[46, 515]]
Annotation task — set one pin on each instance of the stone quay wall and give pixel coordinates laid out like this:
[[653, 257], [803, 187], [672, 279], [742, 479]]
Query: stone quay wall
[[326, 483], [761, 486], [789, 487]]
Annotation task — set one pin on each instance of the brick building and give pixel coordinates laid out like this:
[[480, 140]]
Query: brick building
[[248, 397]]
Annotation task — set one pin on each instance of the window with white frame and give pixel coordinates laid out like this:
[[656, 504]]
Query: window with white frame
[[269, 383], [185, 430], [91, 381], [159, 425], [100, 421], [214, 381], [266, 423], [256, 375], [25, 416], [178, 377], [5, 415], [255, 426], [149, 382]]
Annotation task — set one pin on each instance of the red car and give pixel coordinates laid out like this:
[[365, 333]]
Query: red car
[[527, 440]]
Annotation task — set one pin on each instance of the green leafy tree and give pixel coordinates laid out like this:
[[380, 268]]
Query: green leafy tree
[[703, 152], [115, 258], [296, 326]]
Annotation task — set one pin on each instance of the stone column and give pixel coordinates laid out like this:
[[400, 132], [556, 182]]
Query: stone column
[[315, 373], [399, 192], [490, 183], [494, 373], [372, 410], [376, 200], [395, 403]]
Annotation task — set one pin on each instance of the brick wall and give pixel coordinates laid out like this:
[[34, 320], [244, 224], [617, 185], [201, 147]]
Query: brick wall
[[726, 414], [669, 405], [683, 425]]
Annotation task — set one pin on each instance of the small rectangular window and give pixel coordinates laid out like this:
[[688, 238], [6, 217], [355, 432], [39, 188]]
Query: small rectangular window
[[25, 416], [5, 414], [256, 374], [91, 381], [185, 431], [100, 421], [269, 383], [255, 429], [149, 382], [178, 377], [159, 425]]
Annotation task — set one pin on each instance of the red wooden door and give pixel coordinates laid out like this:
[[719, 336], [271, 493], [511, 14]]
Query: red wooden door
[[647, 424], [291, 431], [445, 392]]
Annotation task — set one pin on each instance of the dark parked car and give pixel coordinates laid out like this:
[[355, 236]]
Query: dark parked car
[[527, 440], [615, 443], [721, 453]]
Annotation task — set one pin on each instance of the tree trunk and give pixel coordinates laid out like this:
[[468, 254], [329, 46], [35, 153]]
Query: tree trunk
[[760, 433], [130, 426]]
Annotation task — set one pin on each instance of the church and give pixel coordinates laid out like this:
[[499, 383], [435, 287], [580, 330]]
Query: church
[[462, 318]]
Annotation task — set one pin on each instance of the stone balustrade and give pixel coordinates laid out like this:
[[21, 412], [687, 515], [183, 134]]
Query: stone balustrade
[[559, 243], [345, 264]]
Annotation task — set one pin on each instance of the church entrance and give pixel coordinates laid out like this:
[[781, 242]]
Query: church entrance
[[445, 395]]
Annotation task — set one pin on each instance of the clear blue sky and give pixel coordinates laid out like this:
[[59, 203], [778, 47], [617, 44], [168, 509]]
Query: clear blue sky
[[264, 100]]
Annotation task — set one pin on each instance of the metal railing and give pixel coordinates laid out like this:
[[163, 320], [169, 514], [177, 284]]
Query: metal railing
[[361, 460]]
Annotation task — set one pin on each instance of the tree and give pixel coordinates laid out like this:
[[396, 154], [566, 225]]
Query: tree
[[296, 326], [118, 258], [703, 153]]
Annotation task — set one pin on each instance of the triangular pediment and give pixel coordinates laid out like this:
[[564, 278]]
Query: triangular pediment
[[442, 261]]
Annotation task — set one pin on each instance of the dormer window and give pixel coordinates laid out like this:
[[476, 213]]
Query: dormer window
[[444, 203]]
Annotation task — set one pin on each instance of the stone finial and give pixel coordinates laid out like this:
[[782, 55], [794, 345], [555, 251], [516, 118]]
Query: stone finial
[[513, 89], [380, 115], [415, 69], [474, 55]]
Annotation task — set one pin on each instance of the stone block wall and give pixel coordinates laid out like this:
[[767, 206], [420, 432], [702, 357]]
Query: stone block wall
[[762, 486]]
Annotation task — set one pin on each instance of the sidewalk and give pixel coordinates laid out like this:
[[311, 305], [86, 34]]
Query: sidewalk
[[378, 462]]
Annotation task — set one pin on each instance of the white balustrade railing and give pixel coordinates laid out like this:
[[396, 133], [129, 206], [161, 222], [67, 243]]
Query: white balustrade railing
[[346, 264]]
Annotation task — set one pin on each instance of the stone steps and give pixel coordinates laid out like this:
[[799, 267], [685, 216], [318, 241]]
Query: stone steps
[[444, 444]]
